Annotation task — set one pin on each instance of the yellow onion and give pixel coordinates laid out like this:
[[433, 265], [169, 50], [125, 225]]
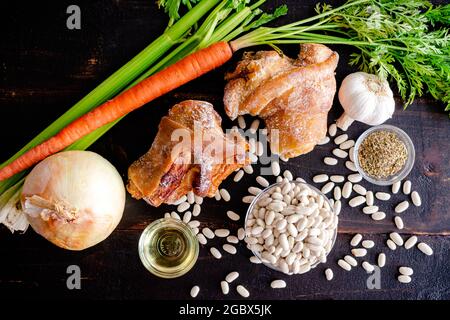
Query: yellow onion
[[74, 199]]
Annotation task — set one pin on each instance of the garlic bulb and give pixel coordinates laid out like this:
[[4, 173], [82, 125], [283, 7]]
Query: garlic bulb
[[366, 98], [74, 199]]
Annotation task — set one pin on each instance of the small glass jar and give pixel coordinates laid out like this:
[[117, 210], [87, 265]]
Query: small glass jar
[[168, 248], [406, 169]]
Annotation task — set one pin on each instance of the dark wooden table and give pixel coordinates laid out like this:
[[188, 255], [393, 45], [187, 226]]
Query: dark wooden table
[[45, 68]]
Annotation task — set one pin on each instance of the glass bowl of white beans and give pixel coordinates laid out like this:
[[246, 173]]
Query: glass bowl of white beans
[[291, 227]]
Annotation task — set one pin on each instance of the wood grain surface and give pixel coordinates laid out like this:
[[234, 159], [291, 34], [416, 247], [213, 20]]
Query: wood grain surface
[[45, 68]]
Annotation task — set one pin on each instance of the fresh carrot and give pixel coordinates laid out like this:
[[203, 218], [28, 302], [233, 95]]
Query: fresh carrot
[[185, 70]]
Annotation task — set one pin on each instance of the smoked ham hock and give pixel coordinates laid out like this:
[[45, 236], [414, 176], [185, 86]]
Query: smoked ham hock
[[190, 152], [292, 96]]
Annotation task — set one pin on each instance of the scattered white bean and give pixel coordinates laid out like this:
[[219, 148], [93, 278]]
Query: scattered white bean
[[208, 233], [347, 189], [425, 248], [337, 178], [354, 177], [340, 153], [194, 224], [416, 200], [396, 238], [254, 126], [225, 287], [357, 201], [407, 187], [370, 209], [238, 176], [359, 252], [232, 239], [369, 198], [217, 196], [187, 217], [320, 178], [368, 244], [241, 122], [288, 175], [337, 193], [404, 279], [233, 215], [391, 244], [222, 233], [377, 216], [255, 260], [324, 141], [241, 234], [242, 291], [337, 206], [198, 200], [401, 207], [330, 161], [351, 154], [262, 181], [248, 199], [347, 145], [396, 187], [341, 138], [368, 267], [356, 240], [344, 265], [275, 168], [327, 187], [351, 261], [350, 166], [360, 189], [194, 291], [383, 196], [232, 276], [183, 207], [407, 271], [248, 169], [196, 210], [225, 195], [411, 242], [201, 238], [278, 284], [229, 248], [399, 222], [216, 253], [329, 274], [381, 260], [175, 215]]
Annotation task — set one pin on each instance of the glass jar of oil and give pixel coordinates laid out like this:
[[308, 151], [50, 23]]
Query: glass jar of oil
[[168, 248]]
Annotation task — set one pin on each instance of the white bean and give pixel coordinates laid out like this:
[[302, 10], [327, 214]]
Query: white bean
[[222, 233], [347, 145], [194, 291], [350, 166], [320, 178], [288, 175], [194, 223], [255, 260], [229, 248], [323, 141], [404, 279], [344, 265], [208, 233], [391, 244], [340, 139], [383, 196], [190, 197], [368, 267], [340, 153], [347, 189], [337, 193], [407, 187], [356, 240], [275, 168], [233, 215], [216, 253], [242, 291], [225, 287], [357, 201], [187, 217], [217, 196], [201, 238], [196, 210], [407, 271], [402, 207], [332, 130], [377, 216], [369, 198], [262, 181], [354, 177], [232, 239], [411, 242], [337, 207], [360, 189], [254, 126], [351, 261], [254, 190], [327, 187], [198, 200], [183, 207], [329, 274], [381, 260], [351, 154], [416, 200], [368, 244], [240, 234], [278, 284], [248, 199], [238, 176], [396, 238], [232, 276], [337, 178], [225, 195], [241, 122], [399, 222], [370, 209], [425, 248], [248, 169], [330, 161], [359, 252], [396, 187], [175, 215]]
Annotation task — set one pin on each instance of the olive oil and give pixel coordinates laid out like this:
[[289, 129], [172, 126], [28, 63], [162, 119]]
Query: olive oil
[[168, 248]]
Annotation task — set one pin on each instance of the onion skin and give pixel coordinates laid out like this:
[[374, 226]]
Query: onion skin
[[84, 181]]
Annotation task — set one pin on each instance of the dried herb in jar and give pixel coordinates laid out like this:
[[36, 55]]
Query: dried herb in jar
[[382, 154]]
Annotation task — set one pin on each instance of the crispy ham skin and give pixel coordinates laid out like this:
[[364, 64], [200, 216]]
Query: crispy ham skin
[[190, 152], [293, 96]]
